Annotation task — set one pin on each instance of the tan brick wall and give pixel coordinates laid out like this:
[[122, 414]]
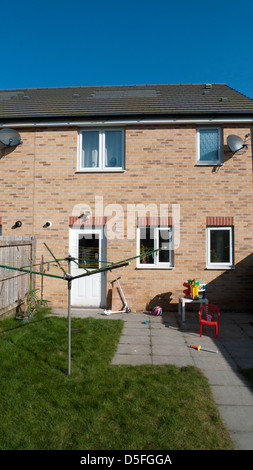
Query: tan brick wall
[[39, 182]]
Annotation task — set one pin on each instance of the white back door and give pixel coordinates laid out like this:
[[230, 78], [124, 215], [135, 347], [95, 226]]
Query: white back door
[[88, 246]]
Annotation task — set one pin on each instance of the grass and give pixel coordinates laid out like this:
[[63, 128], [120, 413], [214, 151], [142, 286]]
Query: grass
[[99, 406]]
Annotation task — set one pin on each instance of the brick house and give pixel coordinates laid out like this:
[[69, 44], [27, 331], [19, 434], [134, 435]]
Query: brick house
[[119, 171]]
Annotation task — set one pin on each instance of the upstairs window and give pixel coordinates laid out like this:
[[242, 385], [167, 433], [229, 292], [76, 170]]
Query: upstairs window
[[209, 145], [101, 150]]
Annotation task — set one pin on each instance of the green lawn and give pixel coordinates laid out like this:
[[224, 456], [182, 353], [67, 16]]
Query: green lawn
[[98, 407]]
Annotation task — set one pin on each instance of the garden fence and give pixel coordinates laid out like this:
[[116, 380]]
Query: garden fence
[[16, 251]]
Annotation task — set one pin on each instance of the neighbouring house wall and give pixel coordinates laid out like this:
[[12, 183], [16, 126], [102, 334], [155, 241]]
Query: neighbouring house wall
[[39, 181]]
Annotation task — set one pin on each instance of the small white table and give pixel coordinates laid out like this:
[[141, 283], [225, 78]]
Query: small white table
[[185, 300]]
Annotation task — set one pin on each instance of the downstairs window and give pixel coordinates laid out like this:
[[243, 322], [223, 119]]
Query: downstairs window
[[220, 247], [154, 238]]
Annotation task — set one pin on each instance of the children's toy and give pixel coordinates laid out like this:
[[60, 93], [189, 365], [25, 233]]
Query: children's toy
[[193, 288], [199, 348], [187, 292], [157, 311], [125, 308]]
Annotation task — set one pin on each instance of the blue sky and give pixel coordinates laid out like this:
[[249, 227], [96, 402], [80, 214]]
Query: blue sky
[[117, 42]]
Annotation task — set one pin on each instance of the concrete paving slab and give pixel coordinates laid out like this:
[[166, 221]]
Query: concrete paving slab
[[135, 331], [217, 363], [232, 395], [179, 361], [128, 359], [237, 417], [239, 352], [167, 339], [159, 324], [224, 377], [170, 350], [133, 348], [134, 317], [238, 343], [244, 362], [243, 440], [165, 332], [139, 339]]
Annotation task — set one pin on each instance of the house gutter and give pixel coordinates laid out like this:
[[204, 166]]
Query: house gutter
[[125, 122]]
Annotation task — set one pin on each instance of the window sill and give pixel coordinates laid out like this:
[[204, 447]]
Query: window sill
[[153, 267], [220, 267], [105, 170], [209, 164]]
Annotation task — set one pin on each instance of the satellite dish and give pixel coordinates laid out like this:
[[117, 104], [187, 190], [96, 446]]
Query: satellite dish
[[9, 138], [235, 143]]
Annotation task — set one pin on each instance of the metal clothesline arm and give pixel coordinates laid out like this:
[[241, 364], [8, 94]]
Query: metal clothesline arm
[[63, 259], [31, 272], [100, 270], [118, 264], [60, 266], [147, 253], [40, 264], [66, 276], [57, 260]]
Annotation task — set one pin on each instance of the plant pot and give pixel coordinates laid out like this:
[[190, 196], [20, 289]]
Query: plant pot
[[24, 317]]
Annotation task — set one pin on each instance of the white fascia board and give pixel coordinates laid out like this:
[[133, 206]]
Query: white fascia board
[[126, 122]]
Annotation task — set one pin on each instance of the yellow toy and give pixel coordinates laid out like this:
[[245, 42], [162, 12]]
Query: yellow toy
[[194, 289]]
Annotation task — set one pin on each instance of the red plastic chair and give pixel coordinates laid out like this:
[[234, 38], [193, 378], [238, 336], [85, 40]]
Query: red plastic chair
[[209, 315]]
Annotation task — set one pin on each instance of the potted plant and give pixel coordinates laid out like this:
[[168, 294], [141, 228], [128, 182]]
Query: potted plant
[[31, 305], [143, 257]]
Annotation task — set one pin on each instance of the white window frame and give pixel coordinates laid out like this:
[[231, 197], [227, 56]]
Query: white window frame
[[157, 264], [209, 263], [220, 147], [101, 153]]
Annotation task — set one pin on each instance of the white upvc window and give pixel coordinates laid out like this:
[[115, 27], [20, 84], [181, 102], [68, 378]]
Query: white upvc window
[[151, 238], [101, 150], [220, 247], [209, 146]]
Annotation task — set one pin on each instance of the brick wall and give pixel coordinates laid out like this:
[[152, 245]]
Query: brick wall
[[39, 182]]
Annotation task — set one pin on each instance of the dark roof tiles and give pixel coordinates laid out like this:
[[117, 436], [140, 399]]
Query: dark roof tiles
[[135, 100]]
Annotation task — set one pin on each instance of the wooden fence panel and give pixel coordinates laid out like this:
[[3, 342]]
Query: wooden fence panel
[[18, 252]]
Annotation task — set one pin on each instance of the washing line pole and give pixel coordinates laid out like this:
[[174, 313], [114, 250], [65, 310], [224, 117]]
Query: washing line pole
[[68, 277], [69, 327], [69, 313]]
